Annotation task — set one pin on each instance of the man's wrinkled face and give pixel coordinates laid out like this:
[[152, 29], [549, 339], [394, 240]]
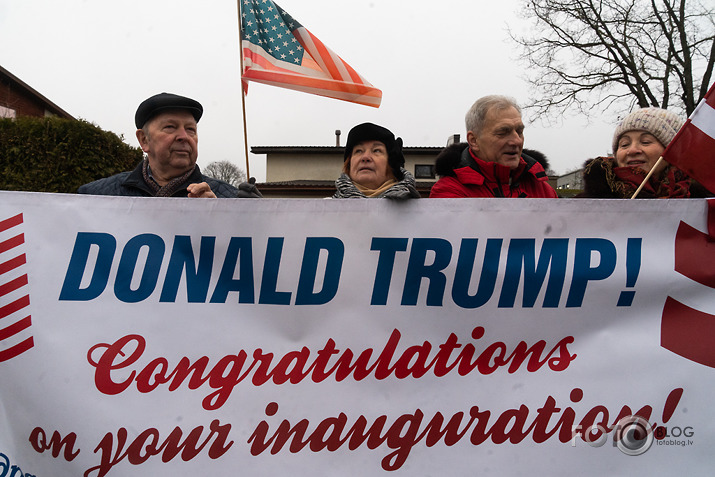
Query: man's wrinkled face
[[170, 141], [501, 140]]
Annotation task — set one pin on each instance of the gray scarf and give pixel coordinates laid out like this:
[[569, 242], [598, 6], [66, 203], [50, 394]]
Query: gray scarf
[[172, 186], [404, 189]]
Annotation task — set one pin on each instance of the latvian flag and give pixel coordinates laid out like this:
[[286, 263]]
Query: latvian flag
[[692, 150]]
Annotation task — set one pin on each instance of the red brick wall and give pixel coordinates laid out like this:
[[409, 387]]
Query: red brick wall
[[16, 98]]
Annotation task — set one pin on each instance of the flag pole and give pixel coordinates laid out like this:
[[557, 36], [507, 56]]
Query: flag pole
[[243, 93], [650, 173]]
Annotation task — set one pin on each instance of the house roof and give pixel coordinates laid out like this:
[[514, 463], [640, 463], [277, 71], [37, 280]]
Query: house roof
[[411, 150], [49, 105]]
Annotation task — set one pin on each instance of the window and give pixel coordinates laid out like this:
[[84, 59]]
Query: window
[[424, 171], [7, 112]]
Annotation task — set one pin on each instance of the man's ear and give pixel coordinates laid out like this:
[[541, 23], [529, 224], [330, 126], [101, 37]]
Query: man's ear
[[472, 141], [143, 140]]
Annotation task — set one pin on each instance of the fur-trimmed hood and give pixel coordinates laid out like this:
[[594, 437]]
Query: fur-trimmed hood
[[450, 158]]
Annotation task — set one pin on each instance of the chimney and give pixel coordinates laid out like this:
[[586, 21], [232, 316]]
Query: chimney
[[337, 138], [453, 139]]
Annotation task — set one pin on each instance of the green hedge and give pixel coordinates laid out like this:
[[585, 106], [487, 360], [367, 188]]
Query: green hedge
[[58, 155], [568, 193]]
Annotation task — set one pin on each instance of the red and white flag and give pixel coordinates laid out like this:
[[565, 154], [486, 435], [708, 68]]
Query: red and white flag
[[279, 51], [692, 150]]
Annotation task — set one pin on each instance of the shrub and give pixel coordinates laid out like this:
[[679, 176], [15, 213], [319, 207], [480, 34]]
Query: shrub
[[58, 155]]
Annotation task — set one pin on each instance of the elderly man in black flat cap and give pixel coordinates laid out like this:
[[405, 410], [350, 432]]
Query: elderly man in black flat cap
[[167, 132]]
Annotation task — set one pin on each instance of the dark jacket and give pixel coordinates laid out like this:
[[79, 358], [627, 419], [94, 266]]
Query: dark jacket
[[603, 179], [131, 183], [463, 175]]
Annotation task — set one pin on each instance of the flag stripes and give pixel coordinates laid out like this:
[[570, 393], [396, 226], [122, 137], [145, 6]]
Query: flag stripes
[[278, 51], [14, 296], [692, 150]]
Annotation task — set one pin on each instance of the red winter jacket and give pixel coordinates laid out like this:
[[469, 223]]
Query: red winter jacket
[[469, 176]]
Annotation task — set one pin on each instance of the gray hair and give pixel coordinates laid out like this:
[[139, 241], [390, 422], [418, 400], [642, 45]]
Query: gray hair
[[474, 119]]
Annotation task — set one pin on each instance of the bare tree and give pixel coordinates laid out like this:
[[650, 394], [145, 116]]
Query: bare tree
[[598, 55], [225, 171]]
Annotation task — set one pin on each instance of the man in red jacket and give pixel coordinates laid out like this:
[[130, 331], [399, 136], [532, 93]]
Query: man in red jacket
[[492, 163]]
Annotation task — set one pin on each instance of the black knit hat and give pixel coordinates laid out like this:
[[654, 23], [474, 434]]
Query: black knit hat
[[158, 103], [373, 132]]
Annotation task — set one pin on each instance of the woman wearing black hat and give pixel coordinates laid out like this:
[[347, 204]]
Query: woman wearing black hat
[[374, 166]]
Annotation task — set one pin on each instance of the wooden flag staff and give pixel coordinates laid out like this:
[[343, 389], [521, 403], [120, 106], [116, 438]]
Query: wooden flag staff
[[243, 93], [647, 177]]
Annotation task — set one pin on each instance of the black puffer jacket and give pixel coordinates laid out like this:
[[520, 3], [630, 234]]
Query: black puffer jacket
[[132, 184]]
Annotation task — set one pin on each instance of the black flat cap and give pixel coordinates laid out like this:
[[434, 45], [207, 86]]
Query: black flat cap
[[161, 102]]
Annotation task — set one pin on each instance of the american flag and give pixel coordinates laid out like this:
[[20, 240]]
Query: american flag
[[692, 150], [279, 51]]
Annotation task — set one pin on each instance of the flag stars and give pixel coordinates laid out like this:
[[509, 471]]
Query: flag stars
[[267, 26]]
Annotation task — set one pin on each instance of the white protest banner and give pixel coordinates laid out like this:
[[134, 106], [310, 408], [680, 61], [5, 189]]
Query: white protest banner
[[355, 337]]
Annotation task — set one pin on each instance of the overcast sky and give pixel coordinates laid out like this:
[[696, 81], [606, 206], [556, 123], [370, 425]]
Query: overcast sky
[[98, 60]]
